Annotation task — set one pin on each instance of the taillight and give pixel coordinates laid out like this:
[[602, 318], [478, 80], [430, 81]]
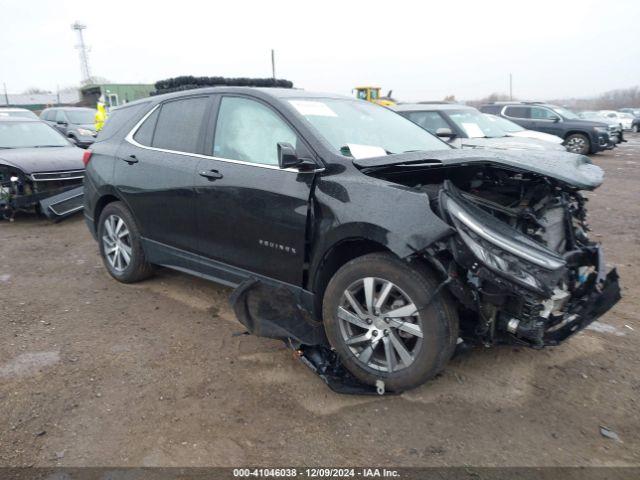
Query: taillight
[[86, 156]]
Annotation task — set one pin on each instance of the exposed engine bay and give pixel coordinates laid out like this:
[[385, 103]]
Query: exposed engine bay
[[521, 262], [54, 194]]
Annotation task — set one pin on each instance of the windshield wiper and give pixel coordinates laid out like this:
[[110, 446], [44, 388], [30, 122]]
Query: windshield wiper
[[48, 146], [7, 148]]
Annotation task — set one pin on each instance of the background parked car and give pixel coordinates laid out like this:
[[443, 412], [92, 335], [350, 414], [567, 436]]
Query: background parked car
[[616, 132], [17, 112], [74, 122], [466, 127], [623, 118], [580, 136], [39, 169], [633, 111], [515, 130]]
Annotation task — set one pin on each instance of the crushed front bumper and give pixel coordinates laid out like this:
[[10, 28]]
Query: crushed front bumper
[[602, 296]]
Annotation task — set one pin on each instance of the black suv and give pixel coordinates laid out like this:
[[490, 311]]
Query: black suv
[[580, 136], [349, 232], [76, 123]]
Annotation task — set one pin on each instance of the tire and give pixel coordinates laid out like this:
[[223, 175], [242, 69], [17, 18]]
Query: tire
[[578, 143], [635, 128], [412, 286], [129, 245]]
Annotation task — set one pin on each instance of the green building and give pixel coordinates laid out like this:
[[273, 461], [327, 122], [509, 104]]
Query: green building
[[115, 94]]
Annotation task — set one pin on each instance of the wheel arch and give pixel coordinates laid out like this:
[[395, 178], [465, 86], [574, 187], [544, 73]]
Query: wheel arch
[[100, 205], [335, 257]]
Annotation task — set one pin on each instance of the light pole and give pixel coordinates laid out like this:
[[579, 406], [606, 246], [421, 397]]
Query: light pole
[[83, 51]]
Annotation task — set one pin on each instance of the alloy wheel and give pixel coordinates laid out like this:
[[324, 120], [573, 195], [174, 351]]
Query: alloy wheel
[[116, 242], [576, 145], [380, 324]]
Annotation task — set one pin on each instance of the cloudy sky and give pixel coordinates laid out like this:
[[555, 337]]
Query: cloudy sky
[[421, 50]]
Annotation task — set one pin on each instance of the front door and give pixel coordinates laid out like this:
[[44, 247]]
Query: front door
[[250, 213], [156, 168]]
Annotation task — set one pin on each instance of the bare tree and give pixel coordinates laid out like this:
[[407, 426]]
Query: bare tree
[[34, 91]]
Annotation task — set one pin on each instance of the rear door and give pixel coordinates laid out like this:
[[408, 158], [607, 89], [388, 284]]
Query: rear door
[[250, 213], [156, 166], [520, 114]]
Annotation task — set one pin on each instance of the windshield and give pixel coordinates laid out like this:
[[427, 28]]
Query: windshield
[[18, 113], [568, 114], [29, 134], [81, 117], [506, 125], [475, 124], [348, 124]]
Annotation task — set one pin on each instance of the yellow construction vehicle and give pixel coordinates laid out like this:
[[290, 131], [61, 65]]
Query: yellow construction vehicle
[[372, 94]]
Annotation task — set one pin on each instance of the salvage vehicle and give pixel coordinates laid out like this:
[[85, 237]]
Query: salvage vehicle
[[580, 136], [466, 127], [76, 123], [368, 245], [17, 112], [514, 130], [40, 170]]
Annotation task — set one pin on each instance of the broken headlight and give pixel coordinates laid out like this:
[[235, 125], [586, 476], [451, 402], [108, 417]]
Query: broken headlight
[[503, 249]]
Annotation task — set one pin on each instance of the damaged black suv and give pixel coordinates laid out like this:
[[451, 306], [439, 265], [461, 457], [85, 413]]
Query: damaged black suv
[[349, 232]]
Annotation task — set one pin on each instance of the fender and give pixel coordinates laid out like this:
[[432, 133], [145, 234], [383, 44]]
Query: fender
[[395, 216]]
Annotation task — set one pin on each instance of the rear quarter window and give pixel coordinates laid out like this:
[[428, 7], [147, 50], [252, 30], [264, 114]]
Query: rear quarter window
[[119, 118]]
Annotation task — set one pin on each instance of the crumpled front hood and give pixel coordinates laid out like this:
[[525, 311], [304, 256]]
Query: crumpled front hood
[[570, 168], [511, 143], [47, 159]]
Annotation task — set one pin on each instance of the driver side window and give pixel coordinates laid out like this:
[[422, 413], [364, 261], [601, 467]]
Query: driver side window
[[539, 113], [249, 131]]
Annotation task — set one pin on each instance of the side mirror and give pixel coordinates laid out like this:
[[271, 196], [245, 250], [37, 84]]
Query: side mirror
[[288, 158], [61, 122], [445, 133], [555, 119]]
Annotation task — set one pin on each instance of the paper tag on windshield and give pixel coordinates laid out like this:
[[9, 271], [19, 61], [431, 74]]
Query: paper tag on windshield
[[366, 151], [473, 130], [309, 108]]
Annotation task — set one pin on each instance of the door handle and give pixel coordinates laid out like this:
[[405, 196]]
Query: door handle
[[211, 174], [131, 159]]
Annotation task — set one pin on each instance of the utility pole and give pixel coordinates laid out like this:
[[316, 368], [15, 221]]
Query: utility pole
[[510, 87], [83, 51], [273, 63], [6, 95]]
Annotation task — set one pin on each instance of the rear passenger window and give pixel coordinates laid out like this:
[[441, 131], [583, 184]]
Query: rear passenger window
[[250, 131], [179, 123], [144, 135], [518, 112]]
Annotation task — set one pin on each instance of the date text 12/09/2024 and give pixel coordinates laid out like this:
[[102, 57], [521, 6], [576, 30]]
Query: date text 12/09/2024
[[315, 472]]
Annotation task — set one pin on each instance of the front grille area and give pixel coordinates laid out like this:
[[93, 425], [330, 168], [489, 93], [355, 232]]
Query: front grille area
[[55, 185], [54, 176]]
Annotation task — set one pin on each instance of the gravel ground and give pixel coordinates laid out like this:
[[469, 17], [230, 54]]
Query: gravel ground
[[96, 373]]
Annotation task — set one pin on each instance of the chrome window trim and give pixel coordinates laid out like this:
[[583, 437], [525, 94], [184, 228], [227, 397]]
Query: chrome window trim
[[129, 138], [504, 109]]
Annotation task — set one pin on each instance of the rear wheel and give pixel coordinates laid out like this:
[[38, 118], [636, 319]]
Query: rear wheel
[[379, 319], [120, 245], [578, 143]]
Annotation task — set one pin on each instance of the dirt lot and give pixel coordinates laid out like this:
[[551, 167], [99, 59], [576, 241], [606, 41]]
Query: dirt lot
[[93, 372]]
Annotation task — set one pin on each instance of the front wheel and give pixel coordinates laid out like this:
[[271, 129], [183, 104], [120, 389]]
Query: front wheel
[[578, 143], [379, 318], [635, 128]]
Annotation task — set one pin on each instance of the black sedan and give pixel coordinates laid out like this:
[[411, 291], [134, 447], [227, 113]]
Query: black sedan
[[40, 170]]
